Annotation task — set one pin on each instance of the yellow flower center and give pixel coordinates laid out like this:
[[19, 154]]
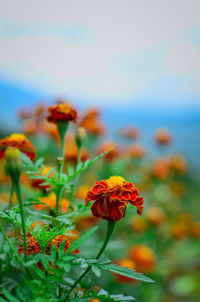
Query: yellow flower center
[[114, 181], [17, 137], [64, 108]]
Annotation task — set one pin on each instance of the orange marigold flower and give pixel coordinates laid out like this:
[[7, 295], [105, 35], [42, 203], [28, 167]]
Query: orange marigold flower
[[90, 121], [143, 256], [195, 229], [179, 230], [61, 112], [50, 201], [57, 242], [19, 141], [156, 216], [130, 132], [111, 197], [71, 153], [161, 168], [33, 246], [178, 164], [129, 264], [163, 137], [136, 151], [113, 154]]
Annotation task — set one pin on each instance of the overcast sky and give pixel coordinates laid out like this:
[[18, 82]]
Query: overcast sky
[[104, 51]]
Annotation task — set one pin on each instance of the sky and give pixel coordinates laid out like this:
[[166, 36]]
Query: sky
[[143, 53]]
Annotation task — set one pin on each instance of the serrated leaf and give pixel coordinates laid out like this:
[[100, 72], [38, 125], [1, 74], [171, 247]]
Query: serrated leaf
[[39, 162], [53, 253], [127, 272], [82, 239], [96, 271], [61, 249]]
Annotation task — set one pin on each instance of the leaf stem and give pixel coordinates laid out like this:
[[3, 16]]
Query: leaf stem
[[19, 196], [10, 243], [110, 228]]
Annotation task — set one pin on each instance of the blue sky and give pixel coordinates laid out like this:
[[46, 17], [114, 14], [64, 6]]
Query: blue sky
[[117, 52]]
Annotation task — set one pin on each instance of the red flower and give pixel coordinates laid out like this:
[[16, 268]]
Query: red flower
[[61, 112], [111, 197], [18, 141]]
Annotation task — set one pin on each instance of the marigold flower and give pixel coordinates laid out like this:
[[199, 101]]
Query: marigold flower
[[143, 256], [81, 193], [163, 137], [57, 242], [50, 201], [33, 246], [129, 264], [111, 197], [112, 154], [178, 164], [71, 153], [156, 216], [130, 132], [136, 151], [18, 141], [179, 230], [61, 112], [161, 168], [90, 121], [195, 229]]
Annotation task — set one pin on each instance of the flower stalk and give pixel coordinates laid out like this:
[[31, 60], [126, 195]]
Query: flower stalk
[[19, 196], [110, 228]]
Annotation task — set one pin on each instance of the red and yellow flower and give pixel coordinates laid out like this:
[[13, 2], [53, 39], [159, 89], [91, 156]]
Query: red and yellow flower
[[136, 151], [130, 132], [111, 197], [50, 201], [156, 216], [71, 153], [19, 141], [143, 256], [112, 154], [33, 246], [163, 137], [61, 113]]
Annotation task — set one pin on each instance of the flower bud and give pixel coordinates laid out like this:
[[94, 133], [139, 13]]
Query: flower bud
[[13, 164], [80, 136]]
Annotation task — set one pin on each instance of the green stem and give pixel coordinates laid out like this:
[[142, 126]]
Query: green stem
[[110, 228], [10, 243], [19, 196], [11, 194], [62, 129]]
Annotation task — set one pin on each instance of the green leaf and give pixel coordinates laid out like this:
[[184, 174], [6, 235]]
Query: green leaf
[[96, 271], [53, 253], [86, 165], [10, 297], [127, 272], [82, 239]]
